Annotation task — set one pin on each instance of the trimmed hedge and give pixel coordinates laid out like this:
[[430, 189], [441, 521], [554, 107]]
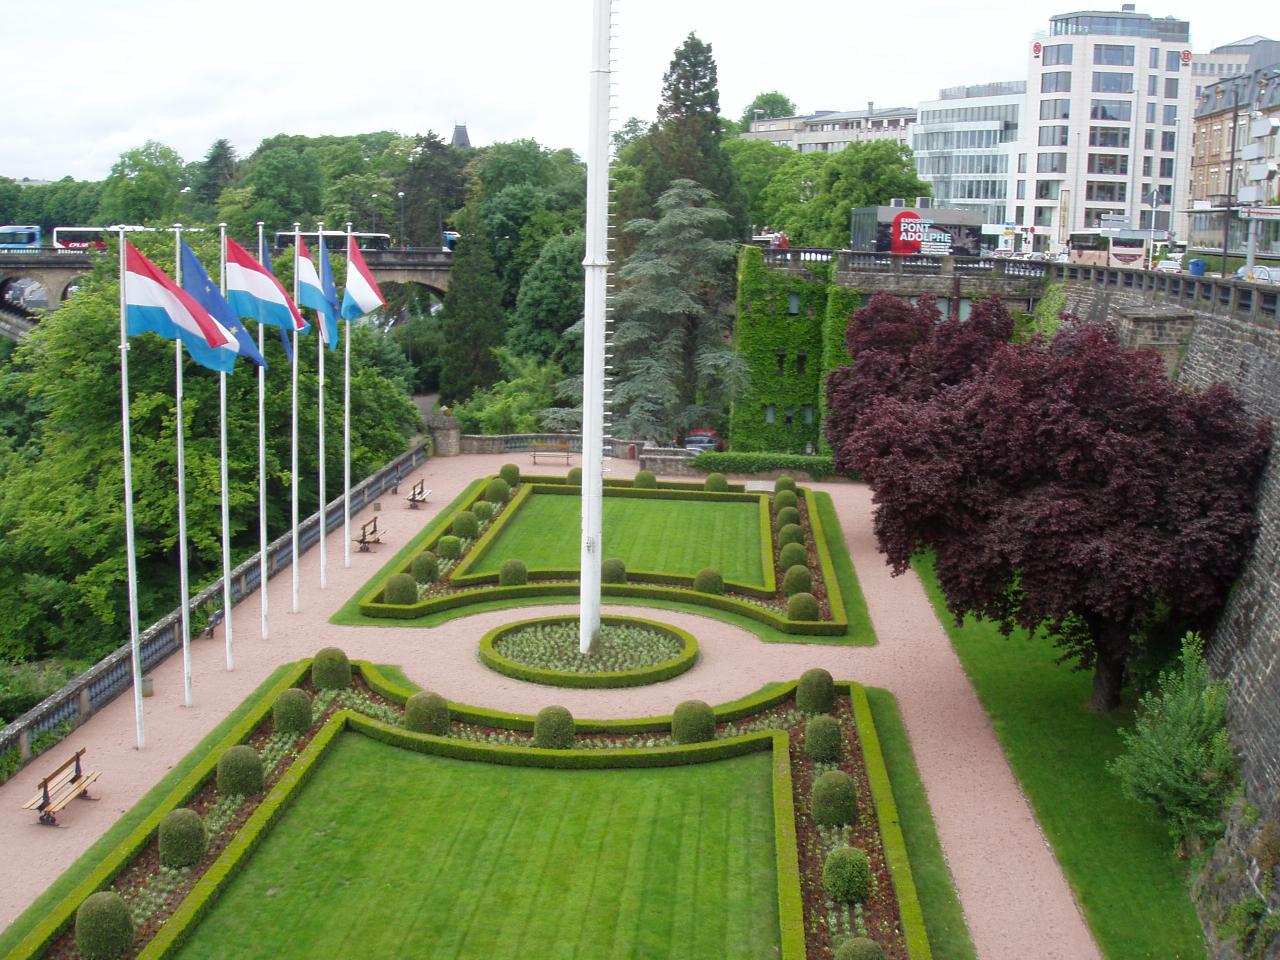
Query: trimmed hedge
[[425, 568], [330, 670], [427, 712], [104, 929], [803, 606], [240, 771], [483, 510], [645, 480], [513, 573], [819, 468], [574, 476], [716, 483], [791, 533], [401, 588], [449, 547], [182, 839], [291, 712], [553, 728], [795, 581], [835, 799], [465, 526], [793, 555], [497, 490], [815, 691], [859, 948], [846, 876], [693, 722], [510, 473], [822, 738], [709, 580], [786, 517], [784, 483], [785, 498], [613, 570]]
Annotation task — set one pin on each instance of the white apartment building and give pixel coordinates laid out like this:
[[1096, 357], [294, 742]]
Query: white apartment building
[[830, 131]]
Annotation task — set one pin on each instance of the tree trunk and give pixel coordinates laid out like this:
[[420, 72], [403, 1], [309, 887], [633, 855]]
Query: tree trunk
[[1108, 681]]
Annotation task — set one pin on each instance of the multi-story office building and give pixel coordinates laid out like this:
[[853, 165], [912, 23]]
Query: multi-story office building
[[965, 143], [829, 131]]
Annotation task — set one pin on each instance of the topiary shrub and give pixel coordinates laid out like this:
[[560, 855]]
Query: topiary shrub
[[787, 515], [240, 771], [716, 483], [483, 510], [709, 580], [465, 525], [291, 713], [425, 567], [816, 691], [791, 533], [427, 712], [693, 722], [104, 929], [331, 670], [835, 799], [497, 490], [645, 480], [803, 606], [859, 948], [793, 555], [784, 483], [822, 737], [796, 580], [513, 573], [401, 588], [449, 547], [847, 875], [784, 498], [553, 728], [181, 837], [510, 473], [574, 476], [613, 570]]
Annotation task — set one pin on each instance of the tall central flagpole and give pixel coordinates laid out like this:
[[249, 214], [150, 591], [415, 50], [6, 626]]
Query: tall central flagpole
[[293, 463], [128, 501], [324, 512], [184, 583], [262, 462], [346, 424], [596, 264], [226, 493]]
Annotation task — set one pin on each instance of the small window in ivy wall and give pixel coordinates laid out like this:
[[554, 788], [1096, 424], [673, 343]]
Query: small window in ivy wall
[[793, 304], [808, 415], [781, 357], [769, 416], [802, 362], [789, 416]]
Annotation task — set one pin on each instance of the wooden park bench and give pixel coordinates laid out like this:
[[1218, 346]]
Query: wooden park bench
[[215, 619], [418, 495], [369, 533], [60, 788], [552, 450]]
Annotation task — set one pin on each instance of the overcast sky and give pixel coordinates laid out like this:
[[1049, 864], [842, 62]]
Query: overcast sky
[[85, 82]]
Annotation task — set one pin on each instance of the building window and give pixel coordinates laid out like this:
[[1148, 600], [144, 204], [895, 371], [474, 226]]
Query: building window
[[1022, 163], [1055, 109], [808, 415], [1106, 191], [1055, 55], [1048, 189], [1057, 82], [1166, 168], [1146, 166], [1151, 111], [781, 357], [1021, 192], [1170, 114], [1044, 216], [788, 416], [1109, 137], [1051, 163], [769, 416], [1113, 55], [1172, 61], [1168, 141], [1149, 140], [1105, 81], [1053, 136], [1171, 88], [1111, 110], [1153, 85], [793, 304], [1109, 164], [1155, 58], [802, 364]]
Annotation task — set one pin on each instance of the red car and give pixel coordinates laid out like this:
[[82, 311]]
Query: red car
[[698, 441]]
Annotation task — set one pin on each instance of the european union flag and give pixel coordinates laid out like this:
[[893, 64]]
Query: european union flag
[[195, 280], [330, 292]]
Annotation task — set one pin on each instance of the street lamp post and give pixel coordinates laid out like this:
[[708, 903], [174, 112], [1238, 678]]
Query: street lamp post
[[374, 198], [400, 194], [1231, 175], [1152, 199]]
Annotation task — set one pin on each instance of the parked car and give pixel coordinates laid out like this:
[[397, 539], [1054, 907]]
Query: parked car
[[701, 440], [1260, 274], [1168, 266]]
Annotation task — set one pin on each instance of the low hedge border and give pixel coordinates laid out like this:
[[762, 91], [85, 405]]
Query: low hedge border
[[486, 540], [835, 597], [817, 467], [677, 665], [627, 482]]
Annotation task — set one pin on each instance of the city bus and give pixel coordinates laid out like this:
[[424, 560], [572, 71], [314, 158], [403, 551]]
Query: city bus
[[335, 241], [1100, 250], [80, 238], [20, 237]]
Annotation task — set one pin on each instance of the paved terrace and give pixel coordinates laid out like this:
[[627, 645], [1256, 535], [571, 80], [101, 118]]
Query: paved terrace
[[1014, 895]]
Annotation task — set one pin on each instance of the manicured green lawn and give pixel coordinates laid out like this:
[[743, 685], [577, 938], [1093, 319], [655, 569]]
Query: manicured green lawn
[[1117, 857], [451, 859], [657, 536]]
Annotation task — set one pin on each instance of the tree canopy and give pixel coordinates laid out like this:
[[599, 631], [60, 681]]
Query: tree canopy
[[771, 104]]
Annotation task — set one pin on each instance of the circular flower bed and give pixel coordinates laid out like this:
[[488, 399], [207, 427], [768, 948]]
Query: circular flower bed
[[631, 652]]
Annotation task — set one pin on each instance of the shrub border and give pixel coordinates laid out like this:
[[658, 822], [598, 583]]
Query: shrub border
[[656, 673]]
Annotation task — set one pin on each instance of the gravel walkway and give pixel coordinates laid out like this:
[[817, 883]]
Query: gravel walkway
[[1015, 898]]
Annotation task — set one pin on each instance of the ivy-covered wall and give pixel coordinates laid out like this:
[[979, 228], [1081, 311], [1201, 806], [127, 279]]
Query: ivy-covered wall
[[841, 302], [779, 332]]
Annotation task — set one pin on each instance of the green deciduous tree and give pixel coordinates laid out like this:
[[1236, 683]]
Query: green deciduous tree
[[755, 163], [770, 104], [862, 175], [515, 403], [787, 202], [143, 186], [550, 302]]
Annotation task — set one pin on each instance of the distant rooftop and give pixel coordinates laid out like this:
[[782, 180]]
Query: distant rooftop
[[1001, 88], [460, 138], [1126, 22], [1241, 46]]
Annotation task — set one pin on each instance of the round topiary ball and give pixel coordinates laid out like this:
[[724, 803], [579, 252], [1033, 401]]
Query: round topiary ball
[[483, 510], [613, 570], [716, 483], [783, 483], [803, 606], [693, 722], [791, 533], [465, 525], [427, 712], [291, 713], [449, 547], [425, 567], [847, 875], [792, 555], [240, 771], [822, 738], [401, 588], [645, 480], [510, 473], [709, 580], [553, 728], [513, 573], [797, 579], [331, 670], [816, 691], [497, 490], [784, 498], [574, 477], [787, 515], [104, 929], [859, 948], [181, 837], [835, 799]]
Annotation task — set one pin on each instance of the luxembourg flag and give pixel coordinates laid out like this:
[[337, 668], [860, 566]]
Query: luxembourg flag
[[361, 294], [155, 304], [255, 293], [311, 294]]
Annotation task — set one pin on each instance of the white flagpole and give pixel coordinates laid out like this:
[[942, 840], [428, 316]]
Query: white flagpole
[[346, 426], [262, 463], [293, 472], [226, 493], [128, 502], [183, 578], [324, 513]]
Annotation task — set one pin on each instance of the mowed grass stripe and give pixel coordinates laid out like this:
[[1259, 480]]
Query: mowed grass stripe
[[388, 853], [668, 536]]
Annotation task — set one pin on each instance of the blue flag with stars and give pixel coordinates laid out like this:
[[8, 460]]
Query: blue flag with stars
[[195, 280]]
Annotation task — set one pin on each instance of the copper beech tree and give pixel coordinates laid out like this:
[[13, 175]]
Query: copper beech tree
[[1067, 486]]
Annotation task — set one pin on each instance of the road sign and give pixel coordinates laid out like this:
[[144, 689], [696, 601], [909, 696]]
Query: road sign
[[1260, 213]]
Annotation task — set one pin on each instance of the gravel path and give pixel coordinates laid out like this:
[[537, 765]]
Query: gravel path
[[1015, 898]]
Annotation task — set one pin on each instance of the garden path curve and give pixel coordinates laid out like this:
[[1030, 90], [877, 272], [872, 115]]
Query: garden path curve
[[1015, 898]]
